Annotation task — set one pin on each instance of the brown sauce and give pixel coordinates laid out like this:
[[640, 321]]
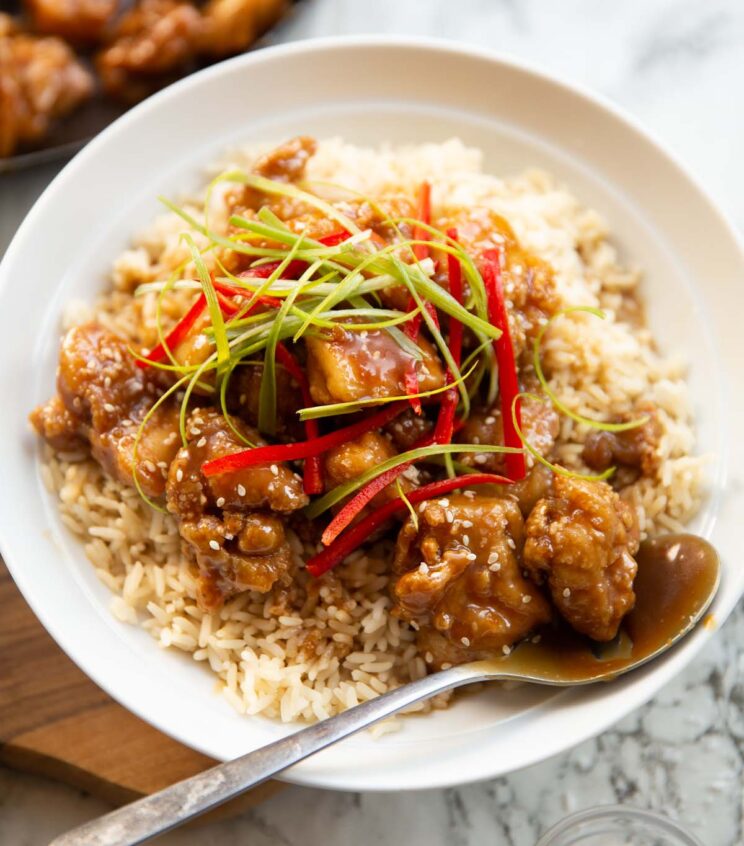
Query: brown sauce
[[677, 576]]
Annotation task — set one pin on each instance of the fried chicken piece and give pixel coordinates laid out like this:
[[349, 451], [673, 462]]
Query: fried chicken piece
[[152, 44], [348, 461], [634, 452], [243, 400], [40, 81], [102, 399], [231, 26], [78, 21], [540, 424], [580, 541], [344, 366], [226, 520], [457, 576], [408, 429]]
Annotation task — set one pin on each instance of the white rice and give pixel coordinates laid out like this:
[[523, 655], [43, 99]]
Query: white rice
[[343, 647]]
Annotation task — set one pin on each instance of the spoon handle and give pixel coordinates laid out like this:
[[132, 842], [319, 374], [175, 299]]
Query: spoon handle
[[156, 814]]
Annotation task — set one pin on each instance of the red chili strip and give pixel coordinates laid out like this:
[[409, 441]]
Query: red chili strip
[[334, 554], [444, 429], [177, 334], [421, 251], [355, 505], [508, 381], [312, 476], [302, 449]]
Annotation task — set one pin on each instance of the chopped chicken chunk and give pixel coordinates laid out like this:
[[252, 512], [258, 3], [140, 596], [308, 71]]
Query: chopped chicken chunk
[[458, 575], [40, 82], [153, 42], [348, 461], [103, 399], [581, 540], [344, 366], [540, 425], [634, 452], [226, 520]]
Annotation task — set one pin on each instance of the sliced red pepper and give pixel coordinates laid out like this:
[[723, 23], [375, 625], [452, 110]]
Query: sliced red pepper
[[354, 506], [508, 381], [302, 449], [312, 476], [334, 554], [444, 428], [177, 334], [421, 251]]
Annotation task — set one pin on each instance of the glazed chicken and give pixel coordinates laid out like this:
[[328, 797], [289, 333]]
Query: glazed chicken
[[102, 399], [41, 81], [344, 366], [228, 520], [458, 577], [540, 425], [581, 540], [154, 41]]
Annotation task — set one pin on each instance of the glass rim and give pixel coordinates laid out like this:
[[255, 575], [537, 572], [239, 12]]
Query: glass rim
[[662, 823]]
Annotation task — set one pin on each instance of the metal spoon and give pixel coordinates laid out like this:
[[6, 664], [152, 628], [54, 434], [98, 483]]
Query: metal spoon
[[687, 565]]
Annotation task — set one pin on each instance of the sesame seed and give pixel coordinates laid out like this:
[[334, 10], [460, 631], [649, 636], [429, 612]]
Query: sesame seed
[[471, 556], [467, 524], [274, 470], [428, 657], [423, 568], [537, 638], [201, 442], [220, 502], [526, 599], [511, 543], [450, 515], [446, 665], [490, 420], [213, 544], [469, 494], [480, 458], [493, 558], [241, 490], [495, 567], [109, 407], [506, 649], [179, 475], [567, 592], [465, 641], [466, 540], [444, 502]]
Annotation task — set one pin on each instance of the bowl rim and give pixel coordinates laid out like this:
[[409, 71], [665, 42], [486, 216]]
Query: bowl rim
[[436, 47]]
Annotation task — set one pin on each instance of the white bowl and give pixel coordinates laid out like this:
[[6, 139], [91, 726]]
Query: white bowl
[[369, 90]]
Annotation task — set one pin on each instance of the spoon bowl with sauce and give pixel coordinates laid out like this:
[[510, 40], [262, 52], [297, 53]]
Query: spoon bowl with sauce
[[678, 576]]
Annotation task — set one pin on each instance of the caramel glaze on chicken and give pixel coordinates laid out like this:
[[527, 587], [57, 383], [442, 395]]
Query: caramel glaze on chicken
[[473, 572]]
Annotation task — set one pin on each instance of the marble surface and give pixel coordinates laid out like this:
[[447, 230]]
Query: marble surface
[[678, 65]]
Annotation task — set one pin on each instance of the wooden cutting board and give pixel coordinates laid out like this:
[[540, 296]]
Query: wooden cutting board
[[55, 722]]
